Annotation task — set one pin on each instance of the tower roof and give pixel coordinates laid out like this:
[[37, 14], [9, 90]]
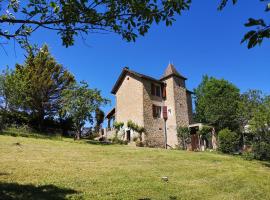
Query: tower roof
[[171, 71]]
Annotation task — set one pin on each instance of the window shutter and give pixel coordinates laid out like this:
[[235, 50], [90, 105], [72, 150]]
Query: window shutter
[[164, 94], [165, 112], [152, 89]]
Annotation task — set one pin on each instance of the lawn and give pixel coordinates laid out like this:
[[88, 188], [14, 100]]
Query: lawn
[[53, 169]]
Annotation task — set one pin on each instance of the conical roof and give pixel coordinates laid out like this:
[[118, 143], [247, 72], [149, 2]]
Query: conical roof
[[171, 71]]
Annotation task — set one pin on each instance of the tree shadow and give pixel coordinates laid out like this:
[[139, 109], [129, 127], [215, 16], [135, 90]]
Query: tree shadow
[[266, 164], [12, 191]]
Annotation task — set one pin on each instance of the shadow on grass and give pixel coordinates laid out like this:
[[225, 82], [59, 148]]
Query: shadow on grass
[[98, 142], [12, 191], [266, 164]]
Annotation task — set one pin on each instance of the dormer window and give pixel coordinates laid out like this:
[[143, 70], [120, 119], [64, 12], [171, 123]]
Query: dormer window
[[155, 90]]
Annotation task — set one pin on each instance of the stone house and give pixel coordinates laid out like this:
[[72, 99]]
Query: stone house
[[158, 105]]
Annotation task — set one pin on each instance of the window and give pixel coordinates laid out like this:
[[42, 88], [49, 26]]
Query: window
[[156, 111], [155, 90]]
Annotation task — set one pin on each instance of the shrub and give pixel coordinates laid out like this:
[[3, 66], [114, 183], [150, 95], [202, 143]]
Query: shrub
[[139, 143], [116, 140], [248, 156], [1, 123], [261, 151], [183, 136], [228, 141]]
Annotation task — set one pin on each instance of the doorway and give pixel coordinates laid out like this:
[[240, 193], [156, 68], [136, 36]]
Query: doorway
[[128, 135]]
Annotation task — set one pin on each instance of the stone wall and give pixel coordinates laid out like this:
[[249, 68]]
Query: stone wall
[[154, 126], [129, 101]]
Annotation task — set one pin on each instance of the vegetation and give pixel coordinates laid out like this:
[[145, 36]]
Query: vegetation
[[35, 87], [262, 29], [206, 134], [70, 18], [228, 141], [127, 18], [183, 135], [67, 169], [216, 103], [79, 102], [260, 128], [138, 129], [43, 95]]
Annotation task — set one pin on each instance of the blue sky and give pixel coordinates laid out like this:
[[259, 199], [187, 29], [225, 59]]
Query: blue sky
[[202, 41]]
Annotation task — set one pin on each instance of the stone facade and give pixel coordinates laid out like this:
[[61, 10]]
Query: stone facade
[[134, 101]]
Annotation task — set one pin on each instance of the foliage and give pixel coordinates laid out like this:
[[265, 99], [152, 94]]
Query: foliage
[[26, 132], [216, 103], [116, 140], [261, 151], [71, 18], [206, 132], [228, 141], [260, 127], [35, 87], [183, 135], [247, 106], [135, 127], [127, 18], [118, 125], [140, 143], [79, 102], [99, 118], [261, 27]]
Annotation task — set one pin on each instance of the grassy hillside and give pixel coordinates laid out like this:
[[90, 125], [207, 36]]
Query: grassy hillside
[[50, 169]]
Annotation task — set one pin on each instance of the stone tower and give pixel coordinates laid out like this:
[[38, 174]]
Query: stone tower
[[178, 102]]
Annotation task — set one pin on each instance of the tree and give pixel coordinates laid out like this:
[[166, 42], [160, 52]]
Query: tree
[[99, 118], [79, 102], [183, 135], [228, 141], [125, 17], [35, 87], [216, 103], [69, 18], [262, 29], [248, 104]]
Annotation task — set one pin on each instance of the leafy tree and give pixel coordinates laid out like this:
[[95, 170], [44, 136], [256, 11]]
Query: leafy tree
[[228, 141], [128, 18], [248, 104], [260, 127], [79, 102], [262, 28], [183, 135], [68, 18], [99, 118], [36, 86], [216, 103]]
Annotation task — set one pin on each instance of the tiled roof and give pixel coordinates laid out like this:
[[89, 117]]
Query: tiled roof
[[171, 71], [127, 70]]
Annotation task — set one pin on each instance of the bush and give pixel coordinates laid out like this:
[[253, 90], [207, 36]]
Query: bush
[[261, 151], [228, 141], [248, 156], [1, 123], [116, 140], [139, 143]]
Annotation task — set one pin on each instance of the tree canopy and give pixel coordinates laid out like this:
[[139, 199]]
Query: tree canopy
[[69, 18], [217, 102], [80, 102], [129, 18], [261, 29], [35, 87]]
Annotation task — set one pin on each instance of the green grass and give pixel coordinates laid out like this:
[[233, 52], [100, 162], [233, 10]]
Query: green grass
[[51, 169]]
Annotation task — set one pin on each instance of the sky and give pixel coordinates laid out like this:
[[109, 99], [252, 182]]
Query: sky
[[201, 41]]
